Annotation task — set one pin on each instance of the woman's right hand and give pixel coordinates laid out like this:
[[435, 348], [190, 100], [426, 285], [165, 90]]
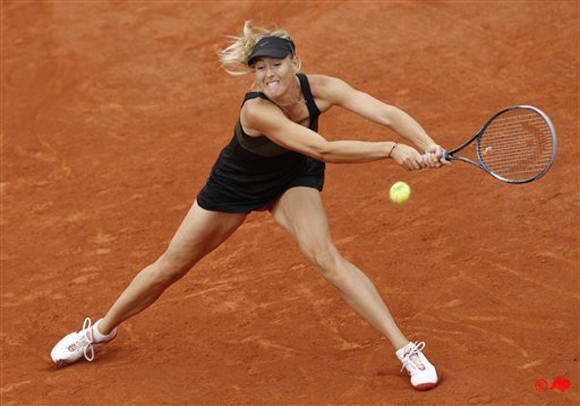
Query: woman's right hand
[[408, 157]]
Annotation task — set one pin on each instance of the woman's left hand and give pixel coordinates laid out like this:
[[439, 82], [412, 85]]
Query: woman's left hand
[[434, 156]]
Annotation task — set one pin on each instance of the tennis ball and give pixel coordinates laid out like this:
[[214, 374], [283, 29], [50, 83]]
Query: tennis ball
[[400, 193]]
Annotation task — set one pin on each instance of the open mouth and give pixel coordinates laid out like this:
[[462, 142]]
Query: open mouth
[[273, 84]]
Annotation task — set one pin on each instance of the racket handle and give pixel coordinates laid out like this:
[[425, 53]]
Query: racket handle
[[446, 157]]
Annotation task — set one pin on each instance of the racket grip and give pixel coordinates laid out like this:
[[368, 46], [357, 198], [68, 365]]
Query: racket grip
[[445, 157]]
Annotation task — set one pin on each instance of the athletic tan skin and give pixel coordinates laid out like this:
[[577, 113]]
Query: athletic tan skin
[[299, 210]]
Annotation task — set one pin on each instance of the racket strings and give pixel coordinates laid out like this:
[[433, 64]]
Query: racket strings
[[517, 145]]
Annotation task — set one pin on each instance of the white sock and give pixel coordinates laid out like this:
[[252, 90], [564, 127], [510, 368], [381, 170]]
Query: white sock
[[100, 337], [401, 351]]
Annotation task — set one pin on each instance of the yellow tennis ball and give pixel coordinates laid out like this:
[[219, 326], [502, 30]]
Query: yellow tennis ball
[[400, 193]]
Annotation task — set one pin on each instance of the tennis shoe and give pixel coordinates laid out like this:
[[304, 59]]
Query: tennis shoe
[[422, 372], [76, 345]]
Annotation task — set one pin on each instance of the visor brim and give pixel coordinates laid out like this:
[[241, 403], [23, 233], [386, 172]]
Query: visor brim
[[272, 53]]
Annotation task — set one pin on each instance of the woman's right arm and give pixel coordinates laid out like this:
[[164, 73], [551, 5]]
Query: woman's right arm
[[268, 120]]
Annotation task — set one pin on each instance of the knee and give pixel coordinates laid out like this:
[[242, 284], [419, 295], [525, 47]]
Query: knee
[[326, 259], [169, 269]]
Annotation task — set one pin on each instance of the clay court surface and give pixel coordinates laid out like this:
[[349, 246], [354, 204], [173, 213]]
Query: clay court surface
[[112, 115]]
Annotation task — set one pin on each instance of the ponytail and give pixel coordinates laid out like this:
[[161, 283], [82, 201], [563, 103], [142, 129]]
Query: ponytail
[[234, 58]]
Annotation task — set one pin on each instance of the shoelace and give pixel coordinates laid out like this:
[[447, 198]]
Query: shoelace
[[413, 351], [89, 334]]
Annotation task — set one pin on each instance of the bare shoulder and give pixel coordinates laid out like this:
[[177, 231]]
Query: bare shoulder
[[256, 112], [255, 106], [321, 83], [328, 90]]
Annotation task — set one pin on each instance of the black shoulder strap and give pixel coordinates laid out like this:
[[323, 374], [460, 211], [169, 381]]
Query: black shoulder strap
[[253, 95], [313, 110]]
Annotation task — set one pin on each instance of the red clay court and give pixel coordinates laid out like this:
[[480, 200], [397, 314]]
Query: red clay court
[[112, 115]]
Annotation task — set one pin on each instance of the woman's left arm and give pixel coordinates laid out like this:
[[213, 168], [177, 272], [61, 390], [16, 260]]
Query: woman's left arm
[[338, 92]]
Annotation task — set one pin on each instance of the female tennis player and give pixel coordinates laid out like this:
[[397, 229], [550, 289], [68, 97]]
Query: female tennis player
[[275, 161]]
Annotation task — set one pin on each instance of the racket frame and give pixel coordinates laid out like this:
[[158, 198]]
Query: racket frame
[[448, 155]]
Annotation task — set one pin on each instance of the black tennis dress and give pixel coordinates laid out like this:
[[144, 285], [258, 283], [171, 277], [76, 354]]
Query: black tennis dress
[[252, 172]]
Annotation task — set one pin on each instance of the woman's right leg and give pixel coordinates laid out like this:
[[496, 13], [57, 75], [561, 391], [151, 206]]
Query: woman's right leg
[[201, 232]]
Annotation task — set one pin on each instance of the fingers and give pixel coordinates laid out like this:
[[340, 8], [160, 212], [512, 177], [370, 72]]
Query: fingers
[[411, 160], [414, 162], [439, 156], [435, 157], [431, 160]]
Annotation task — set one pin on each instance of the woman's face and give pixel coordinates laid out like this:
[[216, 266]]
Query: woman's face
[[275, 76]]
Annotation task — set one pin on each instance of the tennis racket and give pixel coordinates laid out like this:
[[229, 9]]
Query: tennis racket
[[516, 145]]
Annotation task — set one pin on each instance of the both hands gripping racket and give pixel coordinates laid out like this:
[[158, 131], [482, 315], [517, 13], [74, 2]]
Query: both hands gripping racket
[[516, 145]]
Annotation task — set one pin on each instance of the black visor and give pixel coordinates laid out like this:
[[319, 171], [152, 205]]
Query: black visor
[[274, 47]]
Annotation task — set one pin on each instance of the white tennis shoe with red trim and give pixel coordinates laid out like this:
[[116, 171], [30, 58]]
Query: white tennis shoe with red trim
[[422, 372], [76, 345]]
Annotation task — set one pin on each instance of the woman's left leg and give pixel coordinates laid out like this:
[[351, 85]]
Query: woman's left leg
[[300, 212]]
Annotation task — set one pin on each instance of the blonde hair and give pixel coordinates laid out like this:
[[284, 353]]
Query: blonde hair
[[235, 57]]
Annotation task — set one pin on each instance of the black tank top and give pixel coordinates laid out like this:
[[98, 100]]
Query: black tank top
[[262, 145], [260, 155], [252, 171]]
